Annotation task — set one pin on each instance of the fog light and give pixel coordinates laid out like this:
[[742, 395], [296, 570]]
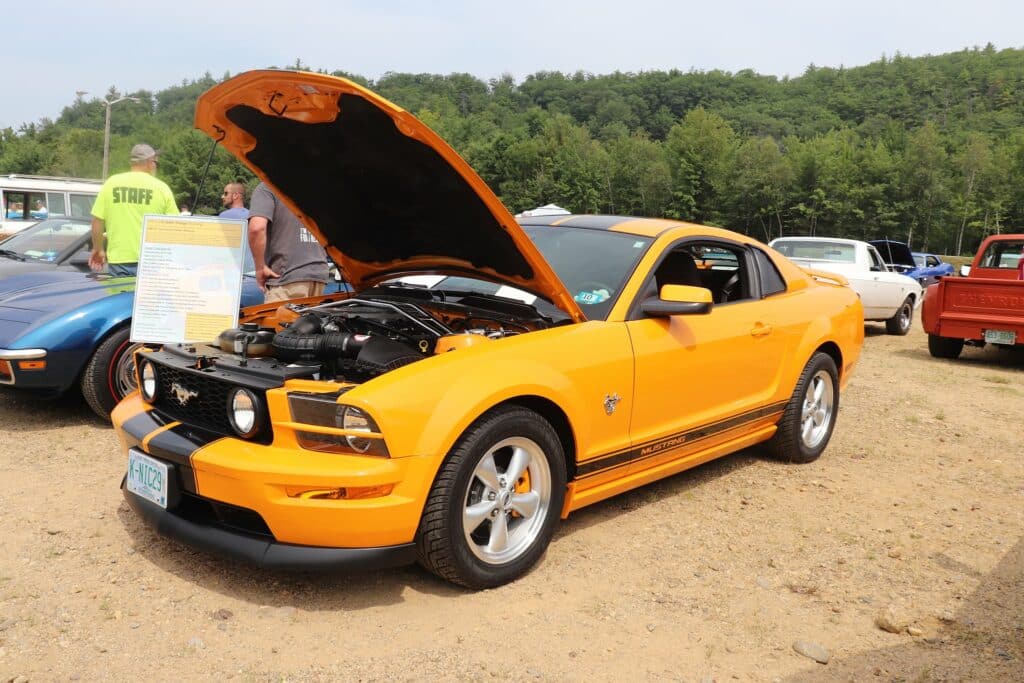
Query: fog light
[[147, 381], [244, 412]]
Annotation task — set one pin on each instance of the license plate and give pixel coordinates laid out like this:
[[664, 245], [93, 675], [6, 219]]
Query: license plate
[[1001, 337], [147, 477]]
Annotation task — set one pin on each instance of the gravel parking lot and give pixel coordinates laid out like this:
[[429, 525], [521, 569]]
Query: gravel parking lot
[[897, 556]]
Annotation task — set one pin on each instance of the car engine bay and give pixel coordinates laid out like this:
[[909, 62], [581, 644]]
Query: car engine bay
[[355, 339]]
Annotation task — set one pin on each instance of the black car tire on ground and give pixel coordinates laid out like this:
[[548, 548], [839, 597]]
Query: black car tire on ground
[[101, 385], [812, 407], [477, 529], [900, 323], [944, 347]]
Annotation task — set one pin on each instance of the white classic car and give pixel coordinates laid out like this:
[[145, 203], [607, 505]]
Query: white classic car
[[885, 295]]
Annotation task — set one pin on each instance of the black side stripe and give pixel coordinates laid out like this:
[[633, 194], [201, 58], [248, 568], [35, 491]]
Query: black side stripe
[[650, 449], [177, 445]]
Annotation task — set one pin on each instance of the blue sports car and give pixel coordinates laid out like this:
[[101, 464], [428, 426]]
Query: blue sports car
[[930, 268], [925, 268], [61, 328]]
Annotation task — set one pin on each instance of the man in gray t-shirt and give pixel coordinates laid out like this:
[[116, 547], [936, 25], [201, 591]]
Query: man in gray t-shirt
[[290, 263]]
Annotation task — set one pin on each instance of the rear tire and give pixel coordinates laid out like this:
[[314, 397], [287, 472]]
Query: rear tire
[[110, 373], [810, 415], [944, 347], [495, 502], [900, 323]]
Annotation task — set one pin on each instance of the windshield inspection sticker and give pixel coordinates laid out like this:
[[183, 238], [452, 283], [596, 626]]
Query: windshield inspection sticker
[[594, 297]]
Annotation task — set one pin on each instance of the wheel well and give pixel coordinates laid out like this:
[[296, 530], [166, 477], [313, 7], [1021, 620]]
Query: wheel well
[[556, 417], [832, 349], [99, 342]]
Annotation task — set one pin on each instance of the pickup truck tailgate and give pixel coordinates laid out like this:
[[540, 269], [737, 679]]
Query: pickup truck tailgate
[[968, 306]]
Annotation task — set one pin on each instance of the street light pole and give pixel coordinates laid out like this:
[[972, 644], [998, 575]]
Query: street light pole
[[106, 131]]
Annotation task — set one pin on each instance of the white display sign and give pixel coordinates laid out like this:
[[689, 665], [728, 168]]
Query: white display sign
[[189, 282]]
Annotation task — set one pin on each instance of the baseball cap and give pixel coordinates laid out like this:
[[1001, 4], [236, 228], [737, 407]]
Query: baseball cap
[[143, 152]]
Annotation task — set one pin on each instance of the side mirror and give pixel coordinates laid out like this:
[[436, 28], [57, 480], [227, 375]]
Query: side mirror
[[678, 300], [965, 270]]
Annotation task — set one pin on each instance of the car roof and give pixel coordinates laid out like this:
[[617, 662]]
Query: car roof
[[631, 225], [840, 240]]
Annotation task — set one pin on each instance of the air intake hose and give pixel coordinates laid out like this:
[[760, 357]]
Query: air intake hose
[[304, 340]]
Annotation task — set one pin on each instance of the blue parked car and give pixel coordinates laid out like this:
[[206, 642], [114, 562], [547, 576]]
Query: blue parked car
[[62, 328], [900, 259], [930, 268], [59, 328]]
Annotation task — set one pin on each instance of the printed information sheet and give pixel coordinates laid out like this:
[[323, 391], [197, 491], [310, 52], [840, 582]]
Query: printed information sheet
[[190, 278]]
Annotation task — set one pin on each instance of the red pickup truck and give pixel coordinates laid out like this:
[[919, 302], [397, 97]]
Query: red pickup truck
[[986, 307]]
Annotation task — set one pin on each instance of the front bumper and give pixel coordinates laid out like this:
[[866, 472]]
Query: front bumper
[[265, 553], [244, 499]]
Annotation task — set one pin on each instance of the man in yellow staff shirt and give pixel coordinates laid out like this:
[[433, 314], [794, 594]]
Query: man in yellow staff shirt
[[120, 205]]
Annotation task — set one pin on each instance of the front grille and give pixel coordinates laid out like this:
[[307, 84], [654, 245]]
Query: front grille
[[193, 398]]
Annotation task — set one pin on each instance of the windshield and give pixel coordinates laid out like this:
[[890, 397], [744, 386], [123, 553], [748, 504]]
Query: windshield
[[919, 260], [837, 252], [47, 240], [592, 264]]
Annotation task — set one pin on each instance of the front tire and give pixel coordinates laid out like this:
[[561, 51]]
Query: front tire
[[944, 347], [900, 323], [109, 375], [810, 415], [495, 502]]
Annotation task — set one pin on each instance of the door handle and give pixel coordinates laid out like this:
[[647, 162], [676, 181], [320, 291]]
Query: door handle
[[761, 330]]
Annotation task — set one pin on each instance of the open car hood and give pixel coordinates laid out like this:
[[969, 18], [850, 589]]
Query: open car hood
[[895, 253], [383, 193]]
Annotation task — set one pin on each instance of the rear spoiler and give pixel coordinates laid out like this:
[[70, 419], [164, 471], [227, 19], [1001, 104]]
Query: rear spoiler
[[834, 278]]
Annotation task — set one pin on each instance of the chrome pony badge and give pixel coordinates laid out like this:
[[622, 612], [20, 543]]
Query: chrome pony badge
[[610, 401], [182, 394]]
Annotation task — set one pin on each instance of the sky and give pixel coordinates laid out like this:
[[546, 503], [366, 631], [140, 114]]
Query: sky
[[52, 48]]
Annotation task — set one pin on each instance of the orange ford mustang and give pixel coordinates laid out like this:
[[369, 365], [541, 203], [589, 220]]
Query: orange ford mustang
[[548, 364]]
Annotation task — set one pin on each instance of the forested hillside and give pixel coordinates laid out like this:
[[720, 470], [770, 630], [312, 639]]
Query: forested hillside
[[928, 150]]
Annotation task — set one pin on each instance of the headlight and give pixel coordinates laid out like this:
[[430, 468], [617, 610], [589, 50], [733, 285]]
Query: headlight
[[147, 381], [244, 412], [357, 421], [323, 410]]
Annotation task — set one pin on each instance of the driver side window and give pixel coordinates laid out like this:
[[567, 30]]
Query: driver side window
[[717, 266]]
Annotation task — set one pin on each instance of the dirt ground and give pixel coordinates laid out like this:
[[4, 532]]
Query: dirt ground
[[913, 518]]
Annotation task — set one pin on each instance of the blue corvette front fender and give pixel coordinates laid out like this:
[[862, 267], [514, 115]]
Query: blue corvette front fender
[[69, 339]]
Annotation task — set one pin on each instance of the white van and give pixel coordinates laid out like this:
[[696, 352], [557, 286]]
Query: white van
[[27, 199]]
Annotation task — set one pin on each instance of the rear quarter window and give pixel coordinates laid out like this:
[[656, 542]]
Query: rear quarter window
[[771, 278]]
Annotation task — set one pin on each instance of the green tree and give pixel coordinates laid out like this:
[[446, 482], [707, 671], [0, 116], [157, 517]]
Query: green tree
[[700, 152]]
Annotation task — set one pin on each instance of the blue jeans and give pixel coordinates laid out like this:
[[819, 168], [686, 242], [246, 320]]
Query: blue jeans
[[122, 269]]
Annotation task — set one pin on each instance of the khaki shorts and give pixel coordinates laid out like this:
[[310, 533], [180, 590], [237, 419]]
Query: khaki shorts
[[293, 290]]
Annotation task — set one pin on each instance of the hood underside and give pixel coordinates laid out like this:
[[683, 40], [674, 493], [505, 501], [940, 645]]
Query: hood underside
[[381, 191], [896, 253]]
